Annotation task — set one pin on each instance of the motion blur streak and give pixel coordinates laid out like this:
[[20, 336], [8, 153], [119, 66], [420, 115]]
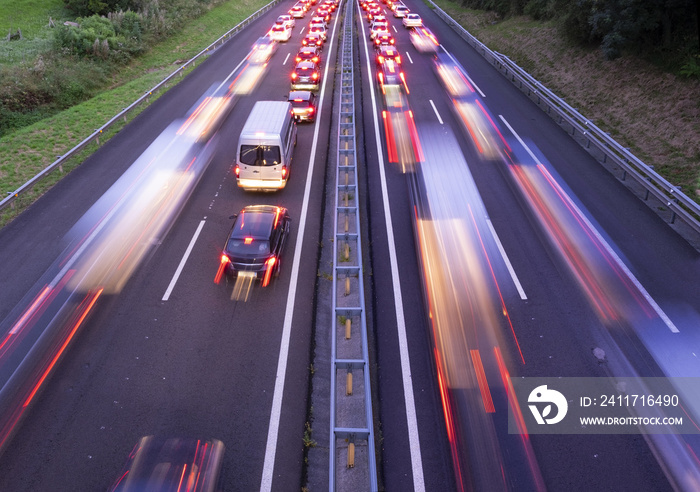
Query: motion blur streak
[[483, 384], [103, 249], [85, 307], [467, 316], [608, 288], [518, 415]]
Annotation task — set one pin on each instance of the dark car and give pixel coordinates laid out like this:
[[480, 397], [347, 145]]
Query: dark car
[[309, 53], [172, 465], [303, 105], [255, 244], [306, 76]]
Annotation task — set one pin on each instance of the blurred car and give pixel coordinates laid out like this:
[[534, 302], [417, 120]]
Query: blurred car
[[255, 243], [280, 33], [172, 465], [401, 11], [389, 73], [306, 76], [318, 29], [383, 38], [309, 53], [303, 105], [374, 11], [424, 40], [388, 52], [330, 5], [412, 20], [324, 12], [262, 50], [452, 76], [286, 20], [297, 11], [312, 39]]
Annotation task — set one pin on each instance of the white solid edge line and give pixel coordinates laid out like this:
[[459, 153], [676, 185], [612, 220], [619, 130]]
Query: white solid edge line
[[510, 268], [276, 411], [176, 276], [412, 422], [664, 317], [436, 111]]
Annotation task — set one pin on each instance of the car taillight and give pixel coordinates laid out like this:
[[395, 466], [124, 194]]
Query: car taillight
[[310, 110], [284, 172], [222, 268], [268, 271], [315, 59], [294, 75], [398, 59], [237, 170], [314, 76], [380, 59], [298, 59]]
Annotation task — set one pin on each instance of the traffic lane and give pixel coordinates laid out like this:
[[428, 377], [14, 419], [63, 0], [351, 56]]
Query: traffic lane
[[396, 471], [217, 382], [302, 364], [620, 213], [35, 238], [424, 84]]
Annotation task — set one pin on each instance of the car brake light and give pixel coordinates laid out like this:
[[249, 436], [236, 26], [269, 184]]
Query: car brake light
[[268, 271], [222, 268], [298, 100], [237, 170], [380, 59], [315, 75], [398, 59], [315, 59], [298, 59], [310, 109], [284, 172], [248, 240], [294, 75]]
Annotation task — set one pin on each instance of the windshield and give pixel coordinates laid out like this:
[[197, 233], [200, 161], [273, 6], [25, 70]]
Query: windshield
[[248, 246], [260, 155]]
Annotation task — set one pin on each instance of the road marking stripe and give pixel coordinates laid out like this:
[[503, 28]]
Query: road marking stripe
[[511, 270], [276, 411], [436, 111], [171, 286], [411, 420]]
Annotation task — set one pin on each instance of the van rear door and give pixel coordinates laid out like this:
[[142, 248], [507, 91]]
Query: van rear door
[[261, 162]]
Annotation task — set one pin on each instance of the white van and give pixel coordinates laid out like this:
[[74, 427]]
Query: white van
[[265, 147]]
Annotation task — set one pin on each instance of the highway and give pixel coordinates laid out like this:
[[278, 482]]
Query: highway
[[171, 353]]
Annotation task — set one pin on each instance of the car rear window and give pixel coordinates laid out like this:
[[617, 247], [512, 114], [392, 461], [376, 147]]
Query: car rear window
[[251, 234], [260, 155]]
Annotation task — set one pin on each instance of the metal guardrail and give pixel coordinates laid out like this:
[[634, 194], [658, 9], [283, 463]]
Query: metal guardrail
[[95, 136], [352, 459], [670, 202]]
